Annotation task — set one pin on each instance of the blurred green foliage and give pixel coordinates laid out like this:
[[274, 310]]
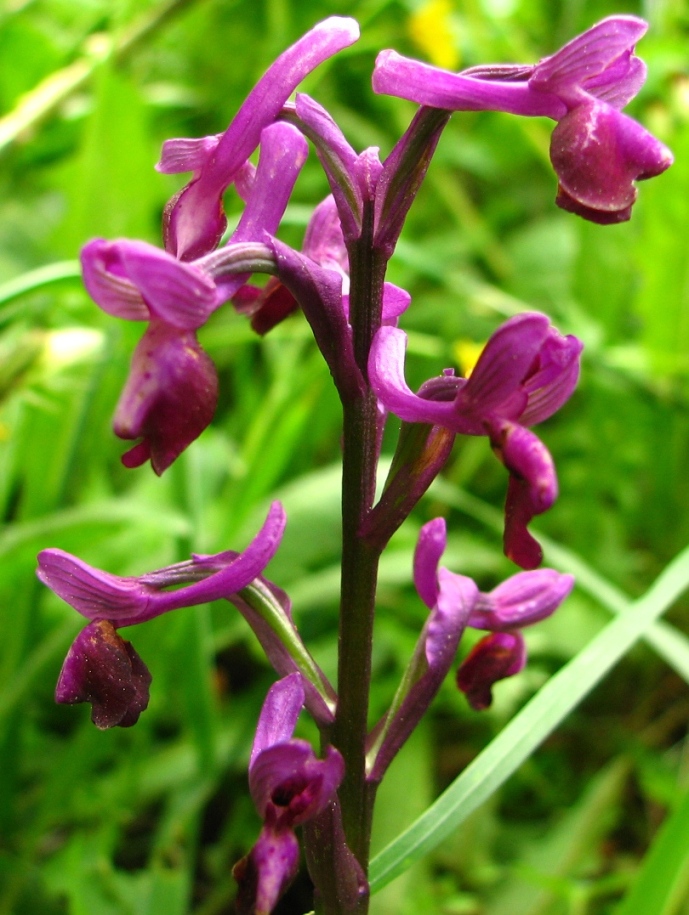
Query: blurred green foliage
[[151, 820]]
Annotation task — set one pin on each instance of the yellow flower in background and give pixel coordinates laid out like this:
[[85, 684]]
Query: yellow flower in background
[[466, 354], [431, 28]]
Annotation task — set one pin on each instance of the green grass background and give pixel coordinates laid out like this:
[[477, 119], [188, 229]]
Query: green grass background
[[150, 820]]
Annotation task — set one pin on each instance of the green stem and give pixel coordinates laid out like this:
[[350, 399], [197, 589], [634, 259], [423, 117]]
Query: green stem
[[359, 559]]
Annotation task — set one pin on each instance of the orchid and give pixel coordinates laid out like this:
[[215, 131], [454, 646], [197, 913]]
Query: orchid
[[597, 152], [102, 668], [525, 373], [289, 786]]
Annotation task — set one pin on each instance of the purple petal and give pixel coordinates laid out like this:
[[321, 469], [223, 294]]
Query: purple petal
[[237, 575], [426, 85], [108, 285], [433, 657], [169, 398], [124, 601], [532, 488], [266, 872], [495, 385], [135, 280], [499, 655], [323, 240], [279, 714], [554, 377], [290, 785], [429, 549], [194, 221], [105, 670], [395, 302], [522, 600], [386, 374], [93, 593], [283, 153], [598, 153], [589, 54], [186, 155], [619, 83]]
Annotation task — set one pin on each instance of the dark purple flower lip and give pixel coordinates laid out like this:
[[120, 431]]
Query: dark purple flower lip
[[103, 669]]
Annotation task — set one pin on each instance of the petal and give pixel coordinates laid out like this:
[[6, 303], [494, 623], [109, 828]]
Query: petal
[[429, 549], [290, 785], [426, 85], [279, 714], [386, 374], [105, 670], [598, 153], [186, 155], [532, 488], [170, 396], [266, 872], [495, 657], [194, 221], [496, 383], [522, 600], [589, 54], [323, 240], [107, 284], [554, 378], [179, 294], [619, 83], [395, 302], [236, 575], [95, 594], [135, 280]]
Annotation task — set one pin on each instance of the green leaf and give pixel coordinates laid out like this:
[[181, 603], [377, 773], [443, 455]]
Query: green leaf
[[661, 884], [549, 707]]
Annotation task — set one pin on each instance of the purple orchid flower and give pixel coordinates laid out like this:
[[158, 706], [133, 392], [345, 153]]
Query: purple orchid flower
[[526, 371], [522, 600], [289, 786], [172, 390], [194, 220], [450, 599], [455, 602], [597, 152], [102, 668]]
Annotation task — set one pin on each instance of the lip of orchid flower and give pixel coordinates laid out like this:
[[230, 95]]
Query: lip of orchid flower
[[597, 152], [194, 221], [494, 657], [169, 399], [124, 601], [105, 670]]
